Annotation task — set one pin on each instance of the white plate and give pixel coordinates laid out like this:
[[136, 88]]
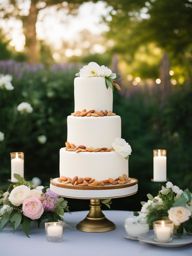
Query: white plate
[[176, 242], [131, 237]]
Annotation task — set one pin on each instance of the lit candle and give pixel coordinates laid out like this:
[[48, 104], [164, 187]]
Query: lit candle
[[159, 165], [163, 230], [54, 231], [17, 165]]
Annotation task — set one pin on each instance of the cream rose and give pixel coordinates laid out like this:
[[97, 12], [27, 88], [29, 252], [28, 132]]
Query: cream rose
[[122, 147], [179, 215], [19, 194]]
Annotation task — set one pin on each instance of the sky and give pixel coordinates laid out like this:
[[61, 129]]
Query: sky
[[55, 28]]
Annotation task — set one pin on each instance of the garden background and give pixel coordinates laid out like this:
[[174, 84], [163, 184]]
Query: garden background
[[149, 45]]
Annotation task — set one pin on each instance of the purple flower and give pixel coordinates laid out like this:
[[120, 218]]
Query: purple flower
[[49, 200]]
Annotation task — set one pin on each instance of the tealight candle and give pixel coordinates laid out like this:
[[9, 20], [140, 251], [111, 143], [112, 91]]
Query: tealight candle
[[54, 231], [17, 165], [135, 227], [163, 230], [159, 165]]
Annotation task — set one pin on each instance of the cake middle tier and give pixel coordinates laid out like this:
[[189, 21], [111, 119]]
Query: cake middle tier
[[93, 132], [97, 165]]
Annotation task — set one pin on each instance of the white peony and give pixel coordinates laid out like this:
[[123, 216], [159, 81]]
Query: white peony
[[5, 82], [122, 147], [105, 71], [179, 215], [35, 193], [19, 194], [25, 107], [2, 136], [42, 139], [90, 70]]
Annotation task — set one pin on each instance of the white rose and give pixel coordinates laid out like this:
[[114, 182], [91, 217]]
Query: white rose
[[105, 71], [42, 139], [2, 136], [35, 192], [19, 194], [90, 70], [179, 215], [25, 107], [169, 184], [122, 147]]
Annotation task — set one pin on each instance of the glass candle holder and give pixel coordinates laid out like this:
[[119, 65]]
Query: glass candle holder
[[54, 231], [17, 165], [163, 230], [135, 228], [159, 165]]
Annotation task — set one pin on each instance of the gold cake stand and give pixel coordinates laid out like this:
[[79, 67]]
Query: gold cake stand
[[95, 221]]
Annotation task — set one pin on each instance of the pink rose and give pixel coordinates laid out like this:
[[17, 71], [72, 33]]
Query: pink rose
[[32, 208]]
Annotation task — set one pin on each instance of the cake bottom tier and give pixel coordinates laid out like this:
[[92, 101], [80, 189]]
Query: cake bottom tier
[[97, 165]]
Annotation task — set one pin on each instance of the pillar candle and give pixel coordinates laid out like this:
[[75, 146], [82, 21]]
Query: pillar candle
[[159, 165], [17, 165]]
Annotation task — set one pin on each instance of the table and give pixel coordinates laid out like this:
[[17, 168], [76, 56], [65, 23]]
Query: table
[[78, 243]]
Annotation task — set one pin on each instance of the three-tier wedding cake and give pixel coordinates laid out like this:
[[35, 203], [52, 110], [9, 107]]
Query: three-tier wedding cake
[[94, 155]]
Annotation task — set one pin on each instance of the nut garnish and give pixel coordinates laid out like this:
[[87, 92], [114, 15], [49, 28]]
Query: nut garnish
[[88, 181], [82, 148], [93, 112]]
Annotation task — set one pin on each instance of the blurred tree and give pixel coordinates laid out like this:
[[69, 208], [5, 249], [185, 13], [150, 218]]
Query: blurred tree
[[27, 11], [166, 23]]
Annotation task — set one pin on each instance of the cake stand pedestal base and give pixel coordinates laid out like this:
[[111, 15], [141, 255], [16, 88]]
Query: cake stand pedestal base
[[95, 220]]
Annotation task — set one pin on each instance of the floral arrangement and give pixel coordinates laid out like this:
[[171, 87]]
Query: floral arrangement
[[171, 203], [23, 204], [94, 70], [122, 147]]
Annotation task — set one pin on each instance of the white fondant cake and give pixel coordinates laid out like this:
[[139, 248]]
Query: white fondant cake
[[94, 132], [97, 165], [108, 157], [91, 93]]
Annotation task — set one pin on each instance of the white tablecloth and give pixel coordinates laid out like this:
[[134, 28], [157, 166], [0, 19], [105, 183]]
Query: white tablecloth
[[83, 244]]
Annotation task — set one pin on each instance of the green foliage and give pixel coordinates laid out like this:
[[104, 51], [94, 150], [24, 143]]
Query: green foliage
[[136, 24], [107, 202], [51, 95]]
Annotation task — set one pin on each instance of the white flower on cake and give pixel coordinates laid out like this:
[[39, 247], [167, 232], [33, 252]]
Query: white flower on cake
[[19, 194], [2, 136], [122, 147], [5, 82], [179, 215], [90, 70], [94, 70], [25, 107]]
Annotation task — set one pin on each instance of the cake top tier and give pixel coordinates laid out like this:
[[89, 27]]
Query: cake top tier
[[93, 88]]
